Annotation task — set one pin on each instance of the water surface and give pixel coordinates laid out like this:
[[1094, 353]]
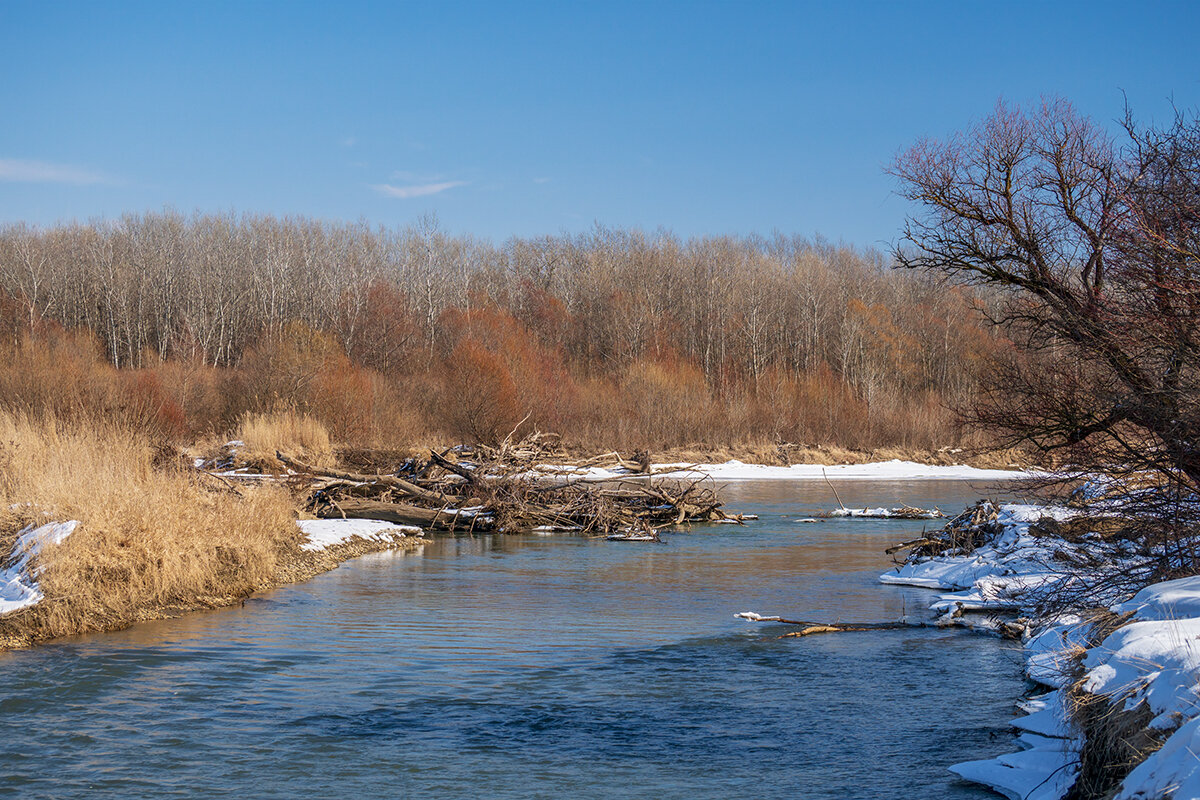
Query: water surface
[[536, 667]]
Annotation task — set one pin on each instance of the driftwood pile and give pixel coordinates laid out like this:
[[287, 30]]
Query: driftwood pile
[[971, 529], [517, 487]]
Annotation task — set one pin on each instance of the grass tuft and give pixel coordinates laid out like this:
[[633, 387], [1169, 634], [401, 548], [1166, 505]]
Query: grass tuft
[[287, 431]]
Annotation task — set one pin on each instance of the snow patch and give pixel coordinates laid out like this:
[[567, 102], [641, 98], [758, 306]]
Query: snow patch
[[735, 470], [1163, 601], [18, 581], [887, 513], [324, 533]]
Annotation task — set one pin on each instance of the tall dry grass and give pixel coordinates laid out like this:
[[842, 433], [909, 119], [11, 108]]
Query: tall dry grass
[[287, 431], [149, 537]]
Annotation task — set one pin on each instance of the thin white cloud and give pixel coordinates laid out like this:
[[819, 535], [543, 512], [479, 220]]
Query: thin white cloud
[[16, 170], [419, 190], [541, 180], [349, 141]]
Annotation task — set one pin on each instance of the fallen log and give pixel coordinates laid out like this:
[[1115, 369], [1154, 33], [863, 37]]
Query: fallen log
[[472, 476], [922, 542], [810, 628], [399, 484], [952, 619], [402, 514]]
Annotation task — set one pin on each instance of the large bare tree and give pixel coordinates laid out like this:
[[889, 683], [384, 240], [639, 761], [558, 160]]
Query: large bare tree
[[1093, 246]]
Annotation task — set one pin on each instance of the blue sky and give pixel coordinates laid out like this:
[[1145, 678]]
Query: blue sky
[[536, 118]]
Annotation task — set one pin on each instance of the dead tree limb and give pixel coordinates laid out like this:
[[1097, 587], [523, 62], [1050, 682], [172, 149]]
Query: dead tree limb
[[399, 484]]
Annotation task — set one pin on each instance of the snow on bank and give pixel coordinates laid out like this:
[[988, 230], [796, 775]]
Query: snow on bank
[[18, 578], [1012, 569], [735, 470], [18, 581], [324, 533], [895, 470], [1153, 661]]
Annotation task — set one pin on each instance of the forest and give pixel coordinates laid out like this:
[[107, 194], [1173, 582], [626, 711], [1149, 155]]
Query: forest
[[182, 325]]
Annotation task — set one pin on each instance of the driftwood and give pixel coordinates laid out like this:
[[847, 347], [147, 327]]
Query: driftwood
[[921, 542], [835, 494], [953, 619], [809, 628], [384, 480], [400, 513], [961, 535], [517, 486]]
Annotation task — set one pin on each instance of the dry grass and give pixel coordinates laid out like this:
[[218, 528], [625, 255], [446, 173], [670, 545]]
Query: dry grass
[[1115, 738], [149, 539], [287, 431]]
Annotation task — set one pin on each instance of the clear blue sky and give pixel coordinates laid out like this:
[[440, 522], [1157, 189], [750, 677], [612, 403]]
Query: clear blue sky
[[531, 118]]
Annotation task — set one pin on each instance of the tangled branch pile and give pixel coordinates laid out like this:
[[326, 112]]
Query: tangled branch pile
[[517, 487], [962, 534]]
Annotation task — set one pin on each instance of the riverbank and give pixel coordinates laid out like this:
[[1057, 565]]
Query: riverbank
[[1118, 714], [98, 532], [321, 546]]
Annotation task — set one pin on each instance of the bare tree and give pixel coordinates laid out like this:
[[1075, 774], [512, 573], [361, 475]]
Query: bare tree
[[1094, 247]]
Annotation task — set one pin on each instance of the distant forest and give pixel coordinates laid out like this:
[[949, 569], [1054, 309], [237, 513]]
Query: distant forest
[[614, 338]]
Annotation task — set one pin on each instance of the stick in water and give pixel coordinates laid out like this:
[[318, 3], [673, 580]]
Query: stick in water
[[835, 494]]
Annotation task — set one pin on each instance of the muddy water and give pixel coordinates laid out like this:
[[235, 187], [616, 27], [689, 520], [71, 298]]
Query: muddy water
[[535, 667]]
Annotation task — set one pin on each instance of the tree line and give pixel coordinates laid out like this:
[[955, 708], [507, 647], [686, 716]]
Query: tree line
[[617, 335]]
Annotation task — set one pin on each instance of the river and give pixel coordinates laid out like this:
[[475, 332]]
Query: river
[[537, 667]]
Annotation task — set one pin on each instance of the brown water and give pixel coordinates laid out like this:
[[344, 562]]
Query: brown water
[[536, 666]]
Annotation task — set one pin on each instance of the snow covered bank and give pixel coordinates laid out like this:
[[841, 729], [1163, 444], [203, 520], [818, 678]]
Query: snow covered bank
[[735, 470], [1014, 569], [1149, 664], [895, 470], [324, 533], [18, 581]]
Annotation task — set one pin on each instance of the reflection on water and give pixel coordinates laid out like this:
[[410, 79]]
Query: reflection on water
[[535, 667]]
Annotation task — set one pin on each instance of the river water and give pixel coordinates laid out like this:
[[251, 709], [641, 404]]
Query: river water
[[536, 667]]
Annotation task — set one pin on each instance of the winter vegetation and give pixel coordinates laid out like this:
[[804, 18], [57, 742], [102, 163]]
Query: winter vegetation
[[183, 325]]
